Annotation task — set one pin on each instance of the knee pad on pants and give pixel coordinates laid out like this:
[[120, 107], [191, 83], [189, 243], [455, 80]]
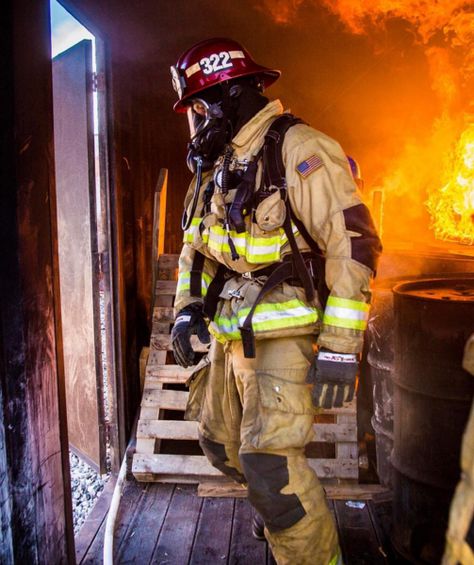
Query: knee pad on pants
[[266, 475], [217, 456]]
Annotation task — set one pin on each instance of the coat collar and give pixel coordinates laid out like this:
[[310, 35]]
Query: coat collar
[[250, 136]]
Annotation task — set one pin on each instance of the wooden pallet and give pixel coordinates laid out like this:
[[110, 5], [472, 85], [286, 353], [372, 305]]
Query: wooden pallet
[[164, 391]]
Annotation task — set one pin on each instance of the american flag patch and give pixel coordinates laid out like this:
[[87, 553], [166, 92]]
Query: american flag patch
[[311, 164]]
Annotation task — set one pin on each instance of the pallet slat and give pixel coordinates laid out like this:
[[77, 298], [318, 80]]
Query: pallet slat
[[164, 399], [166, 374], [164, 429], [165, 287], [155, 467], [229, 488]]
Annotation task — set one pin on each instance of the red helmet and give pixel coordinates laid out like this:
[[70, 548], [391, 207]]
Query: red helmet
[[211, 62]]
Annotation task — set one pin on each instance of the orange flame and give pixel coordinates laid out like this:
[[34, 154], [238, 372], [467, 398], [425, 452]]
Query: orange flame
[[452, 206], [445, 30]]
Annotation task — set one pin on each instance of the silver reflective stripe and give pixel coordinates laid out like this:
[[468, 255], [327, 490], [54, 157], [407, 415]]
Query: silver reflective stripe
[[346, 313], [182, 318]]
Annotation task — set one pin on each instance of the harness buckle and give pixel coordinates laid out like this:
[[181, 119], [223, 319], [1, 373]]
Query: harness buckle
[[234, 293]]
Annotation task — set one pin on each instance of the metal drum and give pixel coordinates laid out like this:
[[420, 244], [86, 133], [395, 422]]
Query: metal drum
[[432, 399], [380, 359]]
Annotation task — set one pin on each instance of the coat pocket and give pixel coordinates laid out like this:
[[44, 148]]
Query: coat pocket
[[197, 389], [285, 414]]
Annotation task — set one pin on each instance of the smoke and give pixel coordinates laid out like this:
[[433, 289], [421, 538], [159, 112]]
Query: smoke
[[444, 27]]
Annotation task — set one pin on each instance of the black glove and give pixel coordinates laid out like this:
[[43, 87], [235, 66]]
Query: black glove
[[189, 321], [333, 376]]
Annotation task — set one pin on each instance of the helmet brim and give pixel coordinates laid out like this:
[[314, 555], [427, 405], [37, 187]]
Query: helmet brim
[[269, 77]]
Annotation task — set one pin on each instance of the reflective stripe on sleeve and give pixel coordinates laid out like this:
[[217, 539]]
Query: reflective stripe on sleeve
[[346, 313], [184, 282]]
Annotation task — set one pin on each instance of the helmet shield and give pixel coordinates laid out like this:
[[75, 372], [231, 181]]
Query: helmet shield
[[212, 62]]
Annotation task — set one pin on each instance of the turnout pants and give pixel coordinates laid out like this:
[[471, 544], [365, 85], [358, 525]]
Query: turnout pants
[[256, 416]]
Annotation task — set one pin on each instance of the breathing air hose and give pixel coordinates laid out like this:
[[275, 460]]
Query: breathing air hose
[[186, 220]]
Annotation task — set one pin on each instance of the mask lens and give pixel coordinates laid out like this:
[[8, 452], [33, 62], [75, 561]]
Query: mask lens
[[199, 107]]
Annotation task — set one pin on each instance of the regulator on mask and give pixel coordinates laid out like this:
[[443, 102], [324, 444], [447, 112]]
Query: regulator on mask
[[210, 126]]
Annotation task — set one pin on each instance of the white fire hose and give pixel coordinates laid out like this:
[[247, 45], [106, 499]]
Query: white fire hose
[[115, 502]]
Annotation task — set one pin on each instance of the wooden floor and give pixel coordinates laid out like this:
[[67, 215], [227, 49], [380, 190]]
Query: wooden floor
[[169, 524]]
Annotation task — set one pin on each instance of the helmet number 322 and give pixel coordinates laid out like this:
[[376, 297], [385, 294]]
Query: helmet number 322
[[216, 62]]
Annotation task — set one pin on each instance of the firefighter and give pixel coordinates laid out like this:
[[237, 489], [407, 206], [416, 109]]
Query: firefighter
[[279, 251], [461, 514]]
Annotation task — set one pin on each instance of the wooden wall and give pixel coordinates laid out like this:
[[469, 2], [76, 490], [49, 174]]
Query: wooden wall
[[35, 503]]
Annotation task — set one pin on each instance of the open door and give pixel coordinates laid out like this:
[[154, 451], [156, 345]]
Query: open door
[[79, 265]]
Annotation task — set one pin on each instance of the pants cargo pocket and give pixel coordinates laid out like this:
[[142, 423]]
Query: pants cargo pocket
[[284, 416], [197, 388]]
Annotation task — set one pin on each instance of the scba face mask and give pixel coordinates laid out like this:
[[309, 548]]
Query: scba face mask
[[210, 127]]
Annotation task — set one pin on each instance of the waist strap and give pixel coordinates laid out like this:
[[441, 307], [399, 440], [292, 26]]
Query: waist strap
[[280, 272]]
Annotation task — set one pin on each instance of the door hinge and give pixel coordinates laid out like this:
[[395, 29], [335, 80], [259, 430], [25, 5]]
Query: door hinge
[[98, 82]]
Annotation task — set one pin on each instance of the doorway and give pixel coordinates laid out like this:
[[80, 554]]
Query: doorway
[[84, 243]]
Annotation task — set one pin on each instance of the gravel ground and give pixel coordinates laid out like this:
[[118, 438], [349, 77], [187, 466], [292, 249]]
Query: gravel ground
[[86, 485]]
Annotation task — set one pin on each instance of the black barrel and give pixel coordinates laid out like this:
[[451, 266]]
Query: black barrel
[[432, 399], [380, 358]]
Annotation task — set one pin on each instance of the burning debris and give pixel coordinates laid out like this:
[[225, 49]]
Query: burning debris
[[452, 206]]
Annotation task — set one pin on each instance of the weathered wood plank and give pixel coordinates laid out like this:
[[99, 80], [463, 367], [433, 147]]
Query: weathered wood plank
[[171, 429], [156, 357], [163, 314], [95, 553], [177, 534], [154, 467], [160, 328], [145, 352], [164, 300], [168, 261], [243, 547], [359, 544], [163, 342], [130, 501], [167, 429], [348, 449], [92, 525], [140, 539], [221, 489], [218, 489], [145, 445], [165, 287], [166, 374], [212, 541], [165, 399]]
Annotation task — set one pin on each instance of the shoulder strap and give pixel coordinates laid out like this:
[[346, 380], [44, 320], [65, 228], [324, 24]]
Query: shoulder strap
[[274, 169], [274, 175]]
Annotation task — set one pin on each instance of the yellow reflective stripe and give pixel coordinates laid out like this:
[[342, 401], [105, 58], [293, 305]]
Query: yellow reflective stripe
[[188, 236], [267, 317], [348, 303], [336, 560], [254, 249], [184, 282], [346, 313]]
